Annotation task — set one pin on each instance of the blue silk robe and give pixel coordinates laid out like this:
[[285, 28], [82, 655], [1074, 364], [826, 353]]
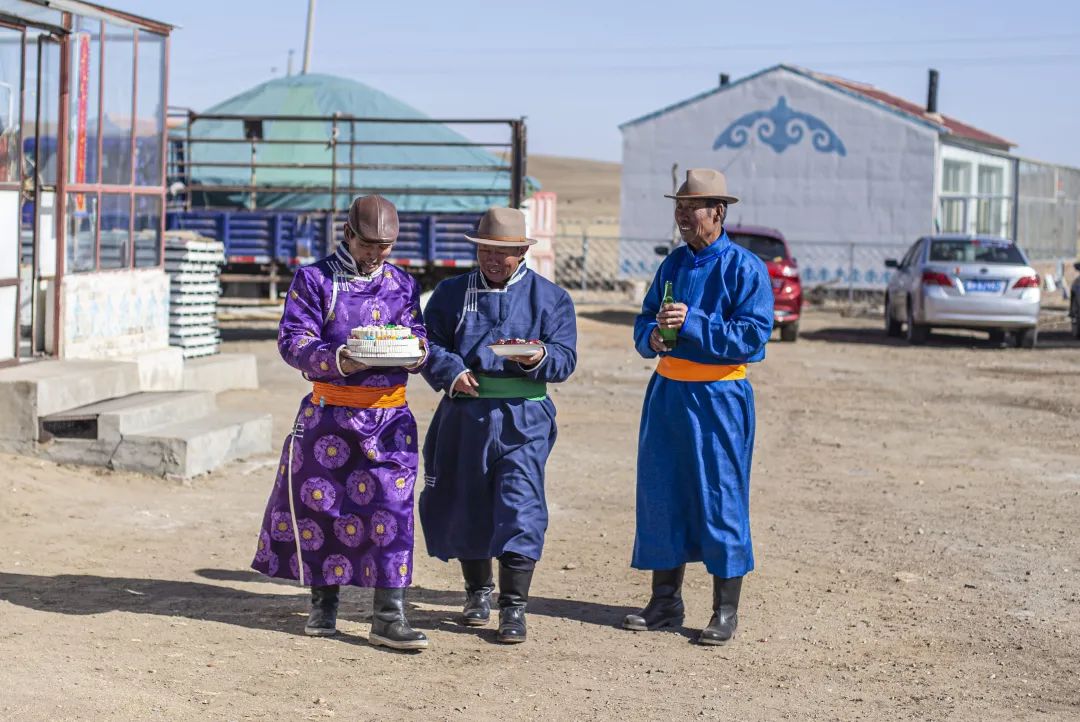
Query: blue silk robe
[[697, 437]]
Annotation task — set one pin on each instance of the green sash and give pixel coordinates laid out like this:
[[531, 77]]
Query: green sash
[[512, 387]]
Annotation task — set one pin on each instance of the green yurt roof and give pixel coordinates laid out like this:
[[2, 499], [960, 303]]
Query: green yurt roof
[[324, 95]]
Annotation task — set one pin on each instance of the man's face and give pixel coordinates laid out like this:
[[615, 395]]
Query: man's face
[[699, 220], [498, 263], [368, 256]]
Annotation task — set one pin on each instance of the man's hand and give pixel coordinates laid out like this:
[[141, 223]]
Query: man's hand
[[466, 384], [350, 365], [656, 343], [672, 315], [530, 359]]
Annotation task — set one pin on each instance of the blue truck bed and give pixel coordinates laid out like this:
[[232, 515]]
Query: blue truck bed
[[296, 238]]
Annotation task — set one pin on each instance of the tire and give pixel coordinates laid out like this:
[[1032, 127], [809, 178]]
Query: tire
[[916, 332], [1075, 313], [893, 328], [789, 332], [1026, 337]]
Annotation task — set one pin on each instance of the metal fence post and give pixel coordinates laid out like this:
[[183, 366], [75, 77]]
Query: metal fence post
[[851, 276], [584, 259]]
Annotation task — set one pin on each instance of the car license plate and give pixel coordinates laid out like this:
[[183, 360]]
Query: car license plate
[[982, 285]]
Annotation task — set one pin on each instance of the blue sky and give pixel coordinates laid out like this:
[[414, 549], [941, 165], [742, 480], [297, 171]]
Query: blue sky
[[578, 69]]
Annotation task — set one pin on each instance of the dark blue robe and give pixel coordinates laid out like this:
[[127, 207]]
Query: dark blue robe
[[484, 458], [697, 437]]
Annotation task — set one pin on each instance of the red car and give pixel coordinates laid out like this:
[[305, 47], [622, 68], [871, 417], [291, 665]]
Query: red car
[[769, 245]]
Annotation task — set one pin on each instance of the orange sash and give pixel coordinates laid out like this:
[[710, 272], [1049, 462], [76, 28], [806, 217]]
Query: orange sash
[[358, 397], [678, 369]]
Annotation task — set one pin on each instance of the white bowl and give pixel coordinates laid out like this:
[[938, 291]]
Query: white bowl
[[515, 349]]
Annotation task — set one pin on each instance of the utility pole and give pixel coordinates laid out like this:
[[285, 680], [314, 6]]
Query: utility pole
[[310, 32], [288, 68]]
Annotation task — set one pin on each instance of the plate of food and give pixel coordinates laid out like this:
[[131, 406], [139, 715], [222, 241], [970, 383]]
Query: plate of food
[[516, 346], [383, 346]]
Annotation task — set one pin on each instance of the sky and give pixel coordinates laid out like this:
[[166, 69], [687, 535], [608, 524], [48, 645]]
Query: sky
[[576, 70]]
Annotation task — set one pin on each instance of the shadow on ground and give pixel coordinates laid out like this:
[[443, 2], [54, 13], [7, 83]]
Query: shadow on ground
[[877, 337]]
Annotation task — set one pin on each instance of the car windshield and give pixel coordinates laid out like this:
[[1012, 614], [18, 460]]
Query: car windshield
[[975, 251], [764, 247]]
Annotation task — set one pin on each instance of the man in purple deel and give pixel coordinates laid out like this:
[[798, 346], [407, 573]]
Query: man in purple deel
[[341, 510]]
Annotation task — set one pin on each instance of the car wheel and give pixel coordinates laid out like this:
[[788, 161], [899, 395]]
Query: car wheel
[[916, 332], [1075, 317], [893, 328], [1026, 337], [789, 331]]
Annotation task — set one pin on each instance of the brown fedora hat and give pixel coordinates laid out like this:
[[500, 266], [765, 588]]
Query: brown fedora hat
[[502, 227], [373, 219], [704, 183]]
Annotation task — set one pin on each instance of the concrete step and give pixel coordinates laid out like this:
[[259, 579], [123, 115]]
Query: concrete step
[[116, 418], [196, 446], [180, 450], [34, 390], [221, 372]]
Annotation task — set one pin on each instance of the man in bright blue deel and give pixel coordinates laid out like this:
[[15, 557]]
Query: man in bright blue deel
[[697, 423]]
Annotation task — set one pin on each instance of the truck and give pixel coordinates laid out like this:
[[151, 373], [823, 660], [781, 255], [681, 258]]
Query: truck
[[275, 189]]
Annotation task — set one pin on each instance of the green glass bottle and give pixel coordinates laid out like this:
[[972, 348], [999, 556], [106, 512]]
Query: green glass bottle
[[669, 335]]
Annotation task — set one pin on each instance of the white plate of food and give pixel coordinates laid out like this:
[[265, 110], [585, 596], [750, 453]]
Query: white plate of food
[[383, 360], [516, 347]]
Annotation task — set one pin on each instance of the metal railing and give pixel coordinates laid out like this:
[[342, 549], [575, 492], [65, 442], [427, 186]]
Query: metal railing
[[347, 173]]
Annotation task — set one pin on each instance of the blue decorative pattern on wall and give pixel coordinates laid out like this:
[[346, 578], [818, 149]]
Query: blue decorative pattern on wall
[[779, 128]]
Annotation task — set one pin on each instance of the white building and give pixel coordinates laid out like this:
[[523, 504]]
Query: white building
[[850, 174]]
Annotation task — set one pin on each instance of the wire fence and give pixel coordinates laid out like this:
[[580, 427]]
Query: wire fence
[[608, 268]]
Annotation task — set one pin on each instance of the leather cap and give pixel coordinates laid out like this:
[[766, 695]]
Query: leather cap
[[373, 219]]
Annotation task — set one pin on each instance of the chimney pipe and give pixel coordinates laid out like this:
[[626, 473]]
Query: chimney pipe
[[724, 79], [931, 92]]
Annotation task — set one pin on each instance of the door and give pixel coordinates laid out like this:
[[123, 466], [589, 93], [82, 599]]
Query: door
[[12, 40], [39, 221]]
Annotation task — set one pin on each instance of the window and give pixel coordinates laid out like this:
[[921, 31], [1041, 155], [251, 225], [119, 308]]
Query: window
[[953, 215], [975, 251], [116, 122], [115, 199], [85, 94], [115, 230], [956, 177], [990, 215], [764, 247], [10, 83], [149, 109]]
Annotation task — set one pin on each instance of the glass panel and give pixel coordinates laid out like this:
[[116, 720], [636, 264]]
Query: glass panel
[[115, 230], [147, 230], [119, 82], [10, 83], [50, 111], [81, 226], [975, 251], [85, 96], [991, 180], [150, 110], [952, 215], [956, 177]]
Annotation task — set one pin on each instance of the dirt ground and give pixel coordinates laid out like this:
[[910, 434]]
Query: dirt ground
[[914, 514]]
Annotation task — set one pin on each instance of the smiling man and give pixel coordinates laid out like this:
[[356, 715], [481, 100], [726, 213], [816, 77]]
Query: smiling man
[[491, 435], [697, 424]]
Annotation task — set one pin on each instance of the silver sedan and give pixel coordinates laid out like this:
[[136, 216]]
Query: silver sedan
[[971, 282]]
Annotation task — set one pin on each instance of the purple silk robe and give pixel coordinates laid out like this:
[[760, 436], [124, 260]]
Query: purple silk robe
[[350, 516]]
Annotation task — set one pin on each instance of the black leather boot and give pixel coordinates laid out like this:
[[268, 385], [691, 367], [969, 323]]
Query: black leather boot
[[478, 588], [665, 607], [322, 619], [389, 628], [725, 617], [513, 596]]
